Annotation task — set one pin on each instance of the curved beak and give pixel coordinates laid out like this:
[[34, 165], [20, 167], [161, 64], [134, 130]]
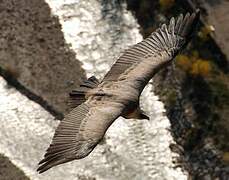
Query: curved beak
[[144, 116]]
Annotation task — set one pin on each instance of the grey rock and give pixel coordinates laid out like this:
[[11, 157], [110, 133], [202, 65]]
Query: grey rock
[[33, 51], [10, 171]]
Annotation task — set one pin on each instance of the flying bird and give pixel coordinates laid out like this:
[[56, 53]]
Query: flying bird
[[96, 105]]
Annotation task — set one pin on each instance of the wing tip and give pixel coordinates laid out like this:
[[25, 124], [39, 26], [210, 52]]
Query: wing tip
[[40, 170], [67, 144], [47, 163], [42, 167], [46, 166], [188, 24]]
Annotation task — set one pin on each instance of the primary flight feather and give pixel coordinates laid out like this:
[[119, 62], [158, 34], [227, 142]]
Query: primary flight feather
[[96, 105]]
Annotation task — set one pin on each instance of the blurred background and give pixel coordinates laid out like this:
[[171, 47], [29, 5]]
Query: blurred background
[[47, 47]]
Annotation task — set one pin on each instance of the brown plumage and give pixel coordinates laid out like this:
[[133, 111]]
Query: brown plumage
[[95, 105]]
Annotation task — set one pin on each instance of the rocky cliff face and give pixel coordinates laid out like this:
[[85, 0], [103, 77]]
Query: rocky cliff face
[[34, 52], [195, 88], [36, 60]]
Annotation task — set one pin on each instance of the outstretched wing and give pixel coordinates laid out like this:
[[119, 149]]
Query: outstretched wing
[[79, 132], [161, 46]]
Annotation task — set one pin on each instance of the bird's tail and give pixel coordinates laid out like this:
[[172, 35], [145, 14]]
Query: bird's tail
[[78, 95]]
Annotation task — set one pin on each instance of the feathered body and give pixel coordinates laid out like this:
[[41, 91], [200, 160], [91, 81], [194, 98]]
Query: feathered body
[[96, 105]]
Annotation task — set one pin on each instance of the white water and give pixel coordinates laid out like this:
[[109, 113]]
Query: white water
[[133, 150]]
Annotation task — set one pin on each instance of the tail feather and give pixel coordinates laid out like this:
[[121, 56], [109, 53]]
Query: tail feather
[[78, 96]]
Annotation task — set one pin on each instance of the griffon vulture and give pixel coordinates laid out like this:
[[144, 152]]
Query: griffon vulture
[[96, 105]]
